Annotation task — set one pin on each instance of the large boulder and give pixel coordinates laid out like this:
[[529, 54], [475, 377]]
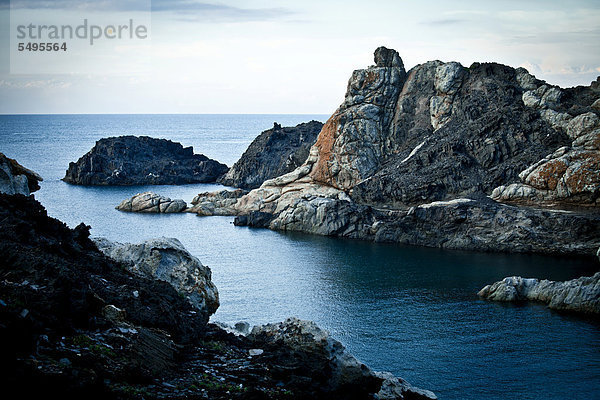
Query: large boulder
[[274, 152], [166, 259], [149, 202], [309, 355], [132, 160], [578, 295], [16, 179]]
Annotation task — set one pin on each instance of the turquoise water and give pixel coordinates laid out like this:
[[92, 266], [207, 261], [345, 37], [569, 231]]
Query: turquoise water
[[409, 310]]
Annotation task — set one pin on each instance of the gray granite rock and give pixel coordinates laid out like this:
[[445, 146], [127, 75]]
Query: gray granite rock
[[149, 202], [166, 259], [411, 158], [16, 179], [346, 376], [577, 295], [216, 203]]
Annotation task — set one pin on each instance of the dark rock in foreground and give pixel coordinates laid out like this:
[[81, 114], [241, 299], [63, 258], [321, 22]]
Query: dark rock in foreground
[[132, 160], [76, 324], [577, 295], [274, 152], [16, 179]]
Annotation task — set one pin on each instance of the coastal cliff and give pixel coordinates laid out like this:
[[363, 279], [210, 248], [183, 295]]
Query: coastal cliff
[[413, 157]]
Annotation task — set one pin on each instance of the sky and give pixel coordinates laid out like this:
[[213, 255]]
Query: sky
[[258, 56]]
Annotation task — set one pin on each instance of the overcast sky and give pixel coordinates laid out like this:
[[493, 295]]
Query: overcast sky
[[256, 56]]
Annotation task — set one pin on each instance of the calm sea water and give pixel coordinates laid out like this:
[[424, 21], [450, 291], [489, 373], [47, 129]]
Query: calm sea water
[[409, 310]]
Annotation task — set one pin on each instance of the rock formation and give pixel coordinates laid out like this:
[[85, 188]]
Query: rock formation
[[16, 179], [216, 203], [578, 295], [411, 158], [131, 160], [570, 175], [149, 202], [346, 377], [167, 260], [274, 152], [75, 323]]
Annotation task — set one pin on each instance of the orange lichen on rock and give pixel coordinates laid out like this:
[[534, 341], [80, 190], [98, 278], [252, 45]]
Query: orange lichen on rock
[[321, 171], [585, 175], [548, 175]]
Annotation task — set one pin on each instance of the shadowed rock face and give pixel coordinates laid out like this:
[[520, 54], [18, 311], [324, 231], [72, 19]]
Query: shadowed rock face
[[578, 295], [274, 152], [16, 179], [131, 160]]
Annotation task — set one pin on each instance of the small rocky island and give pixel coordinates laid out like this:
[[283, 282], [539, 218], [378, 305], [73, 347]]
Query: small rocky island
[[133, 160], [274, 152], [105, 320]]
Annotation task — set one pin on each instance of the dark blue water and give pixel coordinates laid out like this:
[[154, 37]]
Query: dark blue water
[[409, 310]]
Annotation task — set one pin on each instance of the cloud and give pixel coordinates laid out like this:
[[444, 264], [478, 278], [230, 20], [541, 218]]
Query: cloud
[[444, 22], [193, 10], [35, 84]]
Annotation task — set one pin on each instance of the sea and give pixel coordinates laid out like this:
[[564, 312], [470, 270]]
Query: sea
[[412, 311]]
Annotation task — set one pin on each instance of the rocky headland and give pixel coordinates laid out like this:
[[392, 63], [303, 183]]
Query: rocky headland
[[578, 295], [105, 320], [480, 158], [274, 152], [133, 160]]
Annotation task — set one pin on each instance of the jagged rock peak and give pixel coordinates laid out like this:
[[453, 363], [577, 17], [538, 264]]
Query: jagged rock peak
[[385, 57]]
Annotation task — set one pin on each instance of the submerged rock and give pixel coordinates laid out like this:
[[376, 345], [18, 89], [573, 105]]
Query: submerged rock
[[149, 202], [274, 152], [578, 295], [16, 179], [132, 160], [167, 260]]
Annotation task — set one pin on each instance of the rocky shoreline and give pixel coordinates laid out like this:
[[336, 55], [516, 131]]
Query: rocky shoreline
[[581, 295], [104, 320]]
